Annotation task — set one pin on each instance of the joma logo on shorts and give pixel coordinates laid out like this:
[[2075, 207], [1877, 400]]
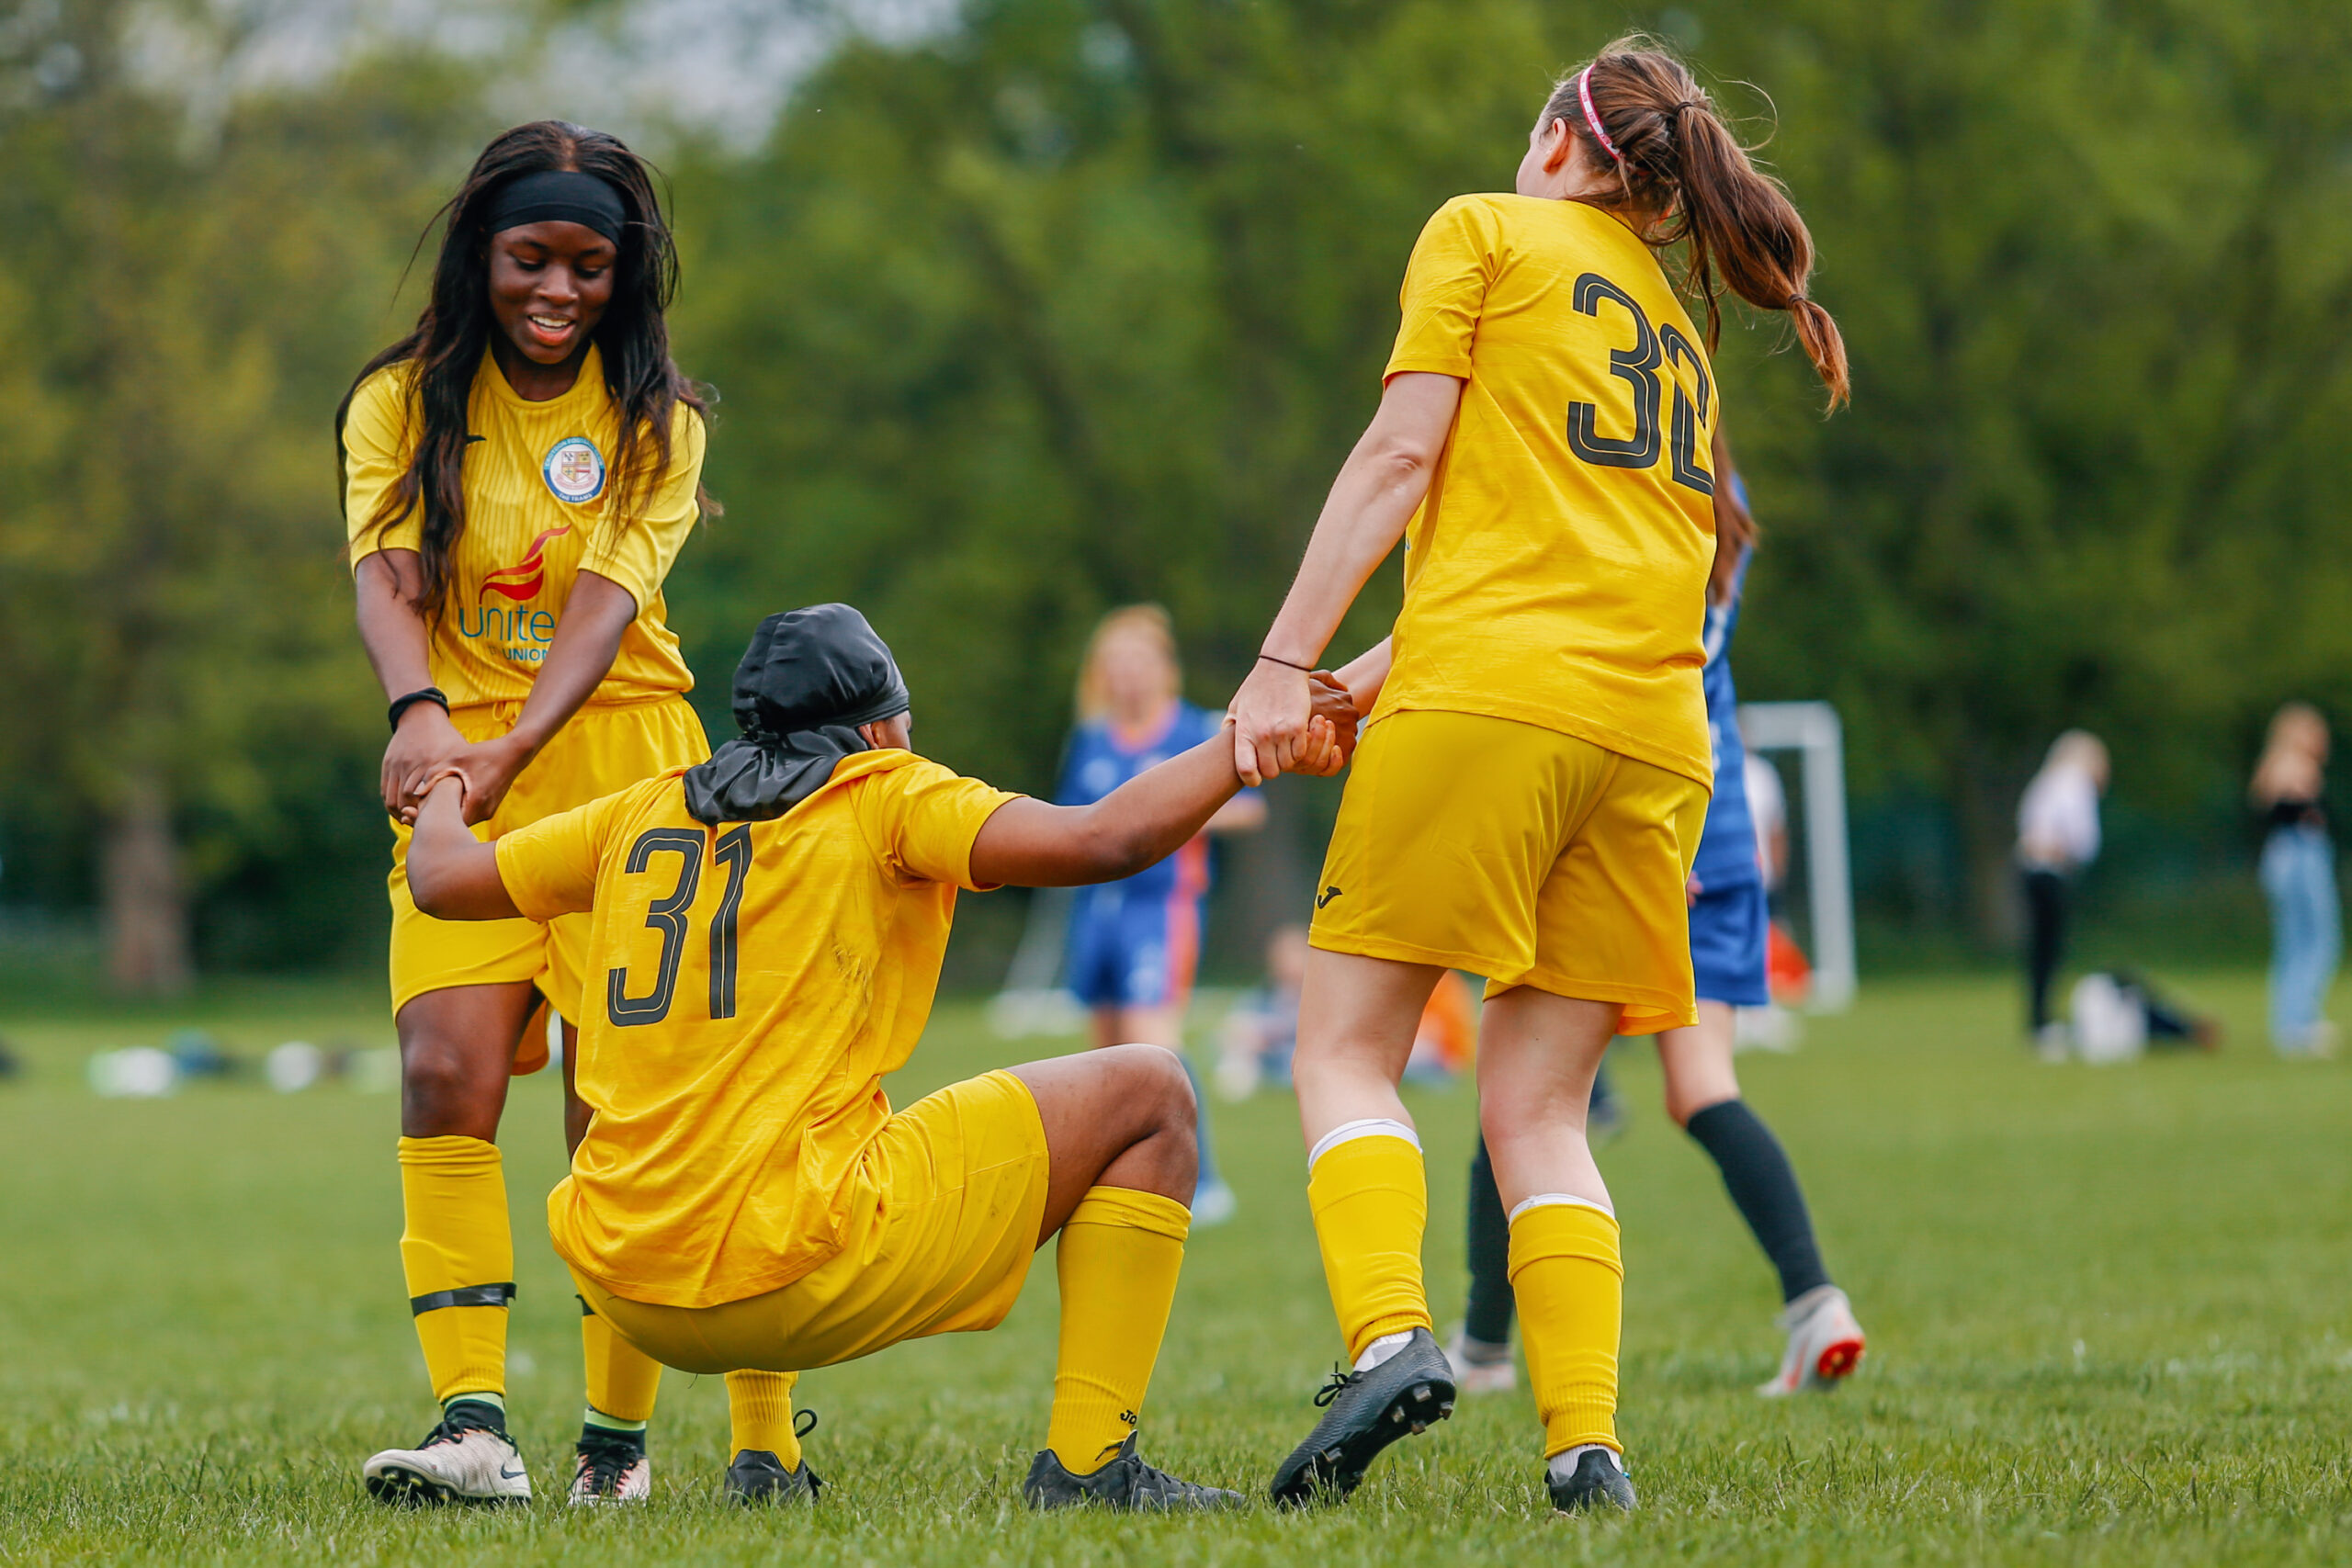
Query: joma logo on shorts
[[1326, 897]]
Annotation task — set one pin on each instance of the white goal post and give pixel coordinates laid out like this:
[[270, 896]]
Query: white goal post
[[1812, 731]]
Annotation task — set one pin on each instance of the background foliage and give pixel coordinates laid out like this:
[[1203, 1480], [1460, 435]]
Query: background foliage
[[1071, 302]]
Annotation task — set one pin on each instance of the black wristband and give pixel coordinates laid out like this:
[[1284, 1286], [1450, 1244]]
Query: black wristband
[[1302, 669], [432, 694]]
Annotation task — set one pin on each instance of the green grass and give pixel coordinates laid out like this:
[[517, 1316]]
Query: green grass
[[2106, 1311]]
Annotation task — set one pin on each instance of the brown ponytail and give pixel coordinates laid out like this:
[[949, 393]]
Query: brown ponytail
[[1674, 156]]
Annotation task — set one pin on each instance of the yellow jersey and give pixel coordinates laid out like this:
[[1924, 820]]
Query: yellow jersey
[[1556, 573], [538, 512], [748, 986]]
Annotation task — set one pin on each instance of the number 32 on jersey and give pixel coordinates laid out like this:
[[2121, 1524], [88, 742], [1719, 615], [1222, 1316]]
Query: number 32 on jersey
[[1639, 366]]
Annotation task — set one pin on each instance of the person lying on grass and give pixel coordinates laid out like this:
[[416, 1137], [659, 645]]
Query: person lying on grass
[[768, 926]]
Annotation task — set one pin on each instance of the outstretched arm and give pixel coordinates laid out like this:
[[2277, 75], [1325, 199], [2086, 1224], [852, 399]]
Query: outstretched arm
[[452, 875], [1031, 844], [1384, 480]]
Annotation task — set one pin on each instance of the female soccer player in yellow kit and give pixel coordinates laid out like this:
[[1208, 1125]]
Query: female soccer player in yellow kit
[[746, 1196], [519, 473], [1528, 798]]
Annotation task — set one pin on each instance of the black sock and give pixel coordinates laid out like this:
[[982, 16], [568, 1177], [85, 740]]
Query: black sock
[[1487, 1316], [1762, 1184], [591, 1435], [463, 1414]]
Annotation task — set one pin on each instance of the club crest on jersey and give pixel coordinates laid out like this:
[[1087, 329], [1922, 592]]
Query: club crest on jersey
[[574, 470]]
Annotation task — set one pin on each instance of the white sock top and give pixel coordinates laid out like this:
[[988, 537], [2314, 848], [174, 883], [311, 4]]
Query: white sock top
[[1369, 1127], [1544, 1199]]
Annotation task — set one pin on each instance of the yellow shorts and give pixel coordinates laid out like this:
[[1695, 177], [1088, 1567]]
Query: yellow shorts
[[1519, 853], [606, 747], [950, 1197]]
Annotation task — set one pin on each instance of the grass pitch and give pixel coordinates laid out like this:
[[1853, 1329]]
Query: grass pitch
[[2107, 1312]]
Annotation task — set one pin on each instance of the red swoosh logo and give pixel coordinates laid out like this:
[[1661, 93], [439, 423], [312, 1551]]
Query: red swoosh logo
[[523, 579]]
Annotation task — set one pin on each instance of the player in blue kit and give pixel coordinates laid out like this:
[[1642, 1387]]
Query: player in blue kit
[[1728, 926], [1134, 944]]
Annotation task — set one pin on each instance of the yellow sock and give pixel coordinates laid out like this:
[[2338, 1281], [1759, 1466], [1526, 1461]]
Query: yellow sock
[[458, 1256], [1117, 1264], [759, 1416], [623, 1381], [1571, 1282], [1370, 1203]]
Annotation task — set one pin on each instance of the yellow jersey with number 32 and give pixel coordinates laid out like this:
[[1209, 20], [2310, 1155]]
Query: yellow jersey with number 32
[[1556, 573], [538, 513], [748, 986]]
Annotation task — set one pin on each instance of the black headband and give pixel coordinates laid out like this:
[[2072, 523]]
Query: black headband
[[553, 195]]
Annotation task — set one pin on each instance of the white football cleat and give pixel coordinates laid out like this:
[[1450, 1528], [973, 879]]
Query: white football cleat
[[461, 1464], [1479, 1377], [610, 1472], [1825, 1344]]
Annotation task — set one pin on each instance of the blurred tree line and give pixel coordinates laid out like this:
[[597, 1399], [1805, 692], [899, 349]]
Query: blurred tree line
[[1080, 301]]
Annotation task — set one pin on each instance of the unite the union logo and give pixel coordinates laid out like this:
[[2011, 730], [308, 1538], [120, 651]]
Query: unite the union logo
[[574, 470], [523, 579]]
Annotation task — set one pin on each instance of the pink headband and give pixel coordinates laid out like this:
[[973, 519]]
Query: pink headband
[[1591, 117]]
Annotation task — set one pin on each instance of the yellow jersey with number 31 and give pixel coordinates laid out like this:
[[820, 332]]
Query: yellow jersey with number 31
[[1556, 573], [538, 513], [748, 986]]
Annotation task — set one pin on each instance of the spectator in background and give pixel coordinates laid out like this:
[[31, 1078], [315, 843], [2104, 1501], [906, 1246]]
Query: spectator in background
[[1132, 944], [2057, 835], [2299, 876]]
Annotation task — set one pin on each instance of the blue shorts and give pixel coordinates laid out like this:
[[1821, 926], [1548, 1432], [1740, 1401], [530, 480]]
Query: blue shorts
[[1728, 933], [1126, 952]]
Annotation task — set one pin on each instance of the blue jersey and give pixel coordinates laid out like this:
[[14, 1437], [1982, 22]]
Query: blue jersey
[[1099, 762], [1727, 847]]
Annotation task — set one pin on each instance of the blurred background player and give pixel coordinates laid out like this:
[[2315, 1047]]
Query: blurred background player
[[2290, 788], [1728, 924], [519, 474], [2057, 837], [1529, 794], [1135, 945]]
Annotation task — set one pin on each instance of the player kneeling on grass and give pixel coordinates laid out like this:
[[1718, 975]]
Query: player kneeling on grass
[[769, 926]]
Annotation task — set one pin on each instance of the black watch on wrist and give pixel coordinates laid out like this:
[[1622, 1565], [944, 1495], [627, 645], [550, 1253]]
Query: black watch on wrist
[[432, 694]]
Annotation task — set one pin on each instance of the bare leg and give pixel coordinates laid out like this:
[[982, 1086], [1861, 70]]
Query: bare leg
[[1698, 1063], [456, 1049], [1537, 1054], [1122, 1116], [1356, 1020]]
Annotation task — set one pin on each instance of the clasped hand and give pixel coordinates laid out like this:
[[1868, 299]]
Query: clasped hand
[[1291, 721], [427, 749]]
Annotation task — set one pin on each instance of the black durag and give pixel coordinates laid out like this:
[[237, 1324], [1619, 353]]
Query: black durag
[[809, 680]]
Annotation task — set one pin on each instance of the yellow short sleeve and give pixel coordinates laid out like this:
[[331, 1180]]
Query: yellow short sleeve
[[550, 868], [640, 557], [376, 451], [1445, 290], [922, 818]]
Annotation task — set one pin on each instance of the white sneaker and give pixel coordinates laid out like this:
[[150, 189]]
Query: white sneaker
[[466, 1464], [1825, 1344], [1212, 1205], [610, 1472], [1478, 1377]]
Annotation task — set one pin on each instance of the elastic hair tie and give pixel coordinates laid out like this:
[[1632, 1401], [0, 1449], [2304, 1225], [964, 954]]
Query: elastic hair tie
[[1591, 116]]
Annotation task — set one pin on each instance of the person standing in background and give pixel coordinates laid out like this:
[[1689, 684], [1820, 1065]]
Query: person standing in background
[[2298, 877], [2057, 835], [1134, 944]]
